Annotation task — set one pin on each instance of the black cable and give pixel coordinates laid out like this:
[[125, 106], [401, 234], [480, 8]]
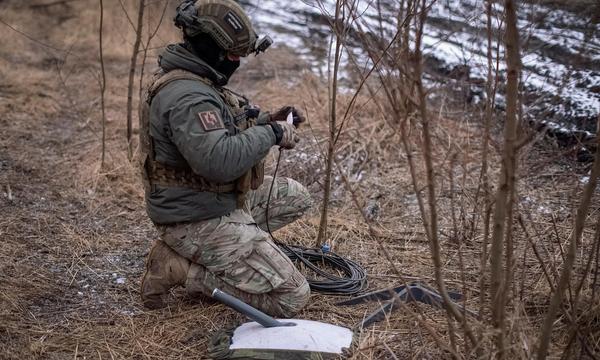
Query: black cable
[[354, 278]]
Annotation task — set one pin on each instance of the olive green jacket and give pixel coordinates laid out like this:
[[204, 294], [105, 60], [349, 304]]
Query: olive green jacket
[[181, 141]]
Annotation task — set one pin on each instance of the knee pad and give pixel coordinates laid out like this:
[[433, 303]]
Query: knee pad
[[303, 199], [294, 300]]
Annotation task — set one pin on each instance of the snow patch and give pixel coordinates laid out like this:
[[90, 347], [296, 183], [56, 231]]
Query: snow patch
[[456, 35]]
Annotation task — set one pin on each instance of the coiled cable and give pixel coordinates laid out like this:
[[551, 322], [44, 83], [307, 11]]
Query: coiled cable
[[353, 278]]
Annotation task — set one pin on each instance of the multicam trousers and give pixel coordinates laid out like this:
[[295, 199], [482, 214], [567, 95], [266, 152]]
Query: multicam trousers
[[235, 254]]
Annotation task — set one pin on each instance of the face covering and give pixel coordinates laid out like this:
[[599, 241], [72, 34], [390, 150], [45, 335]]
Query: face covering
[[207, 49], [228, 67]]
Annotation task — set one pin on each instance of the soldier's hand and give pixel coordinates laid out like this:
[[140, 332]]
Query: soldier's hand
[[281, 114], [284, 112], [289, 137], [299, 118]]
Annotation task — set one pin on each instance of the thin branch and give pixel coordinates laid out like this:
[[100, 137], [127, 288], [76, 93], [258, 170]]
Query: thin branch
[[565, 276], [129, 17], [575, 303], [339, 17], [434, 242], [132, 66], [31, 37], [375, 233], [485, 176], [145, 56], [503, 212], [102, 82]]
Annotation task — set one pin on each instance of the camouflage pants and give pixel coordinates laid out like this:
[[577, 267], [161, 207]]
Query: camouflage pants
[[235, 253]]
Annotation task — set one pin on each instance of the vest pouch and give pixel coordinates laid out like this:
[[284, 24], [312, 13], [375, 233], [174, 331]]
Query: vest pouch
[[243, 186], [258, 175], [146, 150]]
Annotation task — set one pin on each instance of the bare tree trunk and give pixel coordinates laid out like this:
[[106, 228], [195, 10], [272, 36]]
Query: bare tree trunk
[[322, 237], [503, 211], [102, 82], [132, 66], [485, 176]]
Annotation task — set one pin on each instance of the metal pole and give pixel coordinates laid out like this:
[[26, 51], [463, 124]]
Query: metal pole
[[243, 308]]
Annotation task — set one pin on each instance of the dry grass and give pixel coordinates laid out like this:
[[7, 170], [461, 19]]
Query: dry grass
[[74, 238]]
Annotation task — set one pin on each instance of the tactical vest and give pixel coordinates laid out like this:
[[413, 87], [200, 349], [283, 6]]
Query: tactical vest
[[155, 173]]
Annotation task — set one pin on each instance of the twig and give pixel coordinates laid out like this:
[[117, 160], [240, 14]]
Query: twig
[[399, 97], [145, 56], [390, 351], [362, 84], [31, 37], [565, 276], [128, 17], [431, 192], [339, 16], [586, 272], [485, 176], [375, 233], [596, 270], [103, 82], [536, 252], [132, 66]]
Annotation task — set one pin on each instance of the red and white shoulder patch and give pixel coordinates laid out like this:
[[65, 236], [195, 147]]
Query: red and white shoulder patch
[[211, 120]]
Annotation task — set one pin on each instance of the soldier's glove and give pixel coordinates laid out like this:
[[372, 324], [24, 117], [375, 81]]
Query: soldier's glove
[[284, 112], [263, 118], [285, 134]]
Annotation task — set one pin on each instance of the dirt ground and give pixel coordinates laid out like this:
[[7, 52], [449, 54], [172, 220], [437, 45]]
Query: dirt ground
[[74, 235]]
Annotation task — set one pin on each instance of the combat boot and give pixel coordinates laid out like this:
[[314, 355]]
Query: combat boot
[[165, 269]]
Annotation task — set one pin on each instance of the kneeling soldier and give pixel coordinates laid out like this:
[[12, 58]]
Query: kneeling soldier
[[203, 148]]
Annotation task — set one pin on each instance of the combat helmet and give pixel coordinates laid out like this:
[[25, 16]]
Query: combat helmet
[[225, 21]]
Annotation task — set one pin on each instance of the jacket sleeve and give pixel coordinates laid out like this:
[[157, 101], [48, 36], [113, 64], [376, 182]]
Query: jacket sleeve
[[217, 155]]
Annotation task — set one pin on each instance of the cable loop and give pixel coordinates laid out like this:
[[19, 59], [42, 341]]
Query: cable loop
[[354, 278]]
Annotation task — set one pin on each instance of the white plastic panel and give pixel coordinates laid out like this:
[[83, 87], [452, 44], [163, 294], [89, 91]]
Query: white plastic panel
[[305, 336]]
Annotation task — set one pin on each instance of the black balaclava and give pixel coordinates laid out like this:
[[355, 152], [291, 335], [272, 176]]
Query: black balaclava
[[207, 49]]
